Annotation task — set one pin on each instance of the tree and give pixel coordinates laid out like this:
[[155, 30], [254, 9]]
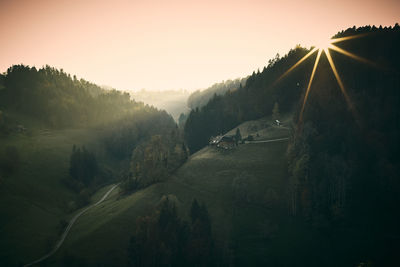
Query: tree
[[182, 119], [159, 239], [155, 160], [163, 239], [194, 211], [238, 136], [200, 243], [275, 112], [83, 165]]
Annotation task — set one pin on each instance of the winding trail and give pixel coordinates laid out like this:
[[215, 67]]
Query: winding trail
[[71, 223], [267, 141]]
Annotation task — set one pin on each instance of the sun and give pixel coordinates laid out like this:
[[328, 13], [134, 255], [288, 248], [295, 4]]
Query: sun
[[323, 44]]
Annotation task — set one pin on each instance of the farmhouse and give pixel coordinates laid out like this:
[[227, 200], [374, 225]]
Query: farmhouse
[[227, 142], [215, 140]]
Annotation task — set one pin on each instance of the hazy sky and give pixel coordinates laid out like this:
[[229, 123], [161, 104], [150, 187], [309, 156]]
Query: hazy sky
[[171, 44]]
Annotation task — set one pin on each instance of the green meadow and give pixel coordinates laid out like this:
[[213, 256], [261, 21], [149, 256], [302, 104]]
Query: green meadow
[[34, 202], [232, 184]]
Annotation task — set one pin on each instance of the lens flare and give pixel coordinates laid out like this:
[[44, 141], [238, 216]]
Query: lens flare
[[309, 83], [339, 81], [324, 46], [353, 56], [341, 39], [295, 65]]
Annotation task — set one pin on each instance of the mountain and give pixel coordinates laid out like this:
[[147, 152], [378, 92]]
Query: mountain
[[252, 101], [343, 159], [61, 140], [263, 89], [172, 101], [200, 98]]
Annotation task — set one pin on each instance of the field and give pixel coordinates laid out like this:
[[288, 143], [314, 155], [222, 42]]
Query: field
[[243, 189]]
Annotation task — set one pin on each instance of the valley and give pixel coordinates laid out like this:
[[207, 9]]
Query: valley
[[296, 164], [221, 179]]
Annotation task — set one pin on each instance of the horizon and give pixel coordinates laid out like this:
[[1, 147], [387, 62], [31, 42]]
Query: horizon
[[181, 45]]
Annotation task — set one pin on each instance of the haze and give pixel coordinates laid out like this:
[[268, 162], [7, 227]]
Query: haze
[[174, 44]]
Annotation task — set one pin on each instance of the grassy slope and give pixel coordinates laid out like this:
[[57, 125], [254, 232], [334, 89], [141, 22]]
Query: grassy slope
[[33, 200], [242, 189]]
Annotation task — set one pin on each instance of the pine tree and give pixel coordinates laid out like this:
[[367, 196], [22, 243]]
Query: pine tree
[[275, 112], [238, 136]]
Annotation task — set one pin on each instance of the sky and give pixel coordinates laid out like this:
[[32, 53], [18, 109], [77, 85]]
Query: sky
[[172, 44]]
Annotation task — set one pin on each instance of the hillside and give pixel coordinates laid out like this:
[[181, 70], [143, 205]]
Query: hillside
[[200, 98], [343, 158], [372, 53], [313, 182], [61, 139], [246, 192], [172, 101], [34, 200], [231, 183]]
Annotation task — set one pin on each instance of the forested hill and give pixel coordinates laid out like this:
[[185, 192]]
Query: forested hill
[[172, 101], [61, 140], [344, 161], [52, 99], [200, 98], [57, 100], [253, 100], [343, 156], [263, 89]]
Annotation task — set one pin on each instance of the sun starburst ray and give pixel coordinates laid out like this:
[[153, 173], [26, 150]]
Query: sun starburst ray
[[353, 56], [324, 46], [339, 80], [341, 39], [309, 83], [297, 64]]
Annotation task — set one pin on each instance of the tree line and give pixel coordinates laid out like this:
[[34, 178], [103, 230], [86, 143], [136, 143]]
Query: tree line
[[124, 129], [59, 100], [155, 160], [200, 98], [340, 156], [343, 156], [163, 239], [253, 100], [344, 159]]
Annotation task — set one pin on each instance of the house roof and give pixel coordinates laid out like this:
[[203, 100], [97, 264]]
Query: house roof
[[228, 138]]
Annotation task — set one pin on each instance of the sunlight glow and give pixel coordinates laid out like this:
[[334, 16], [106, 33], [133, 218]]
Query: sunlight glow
[[341, 39], [346, 53], [324, 46], [335, 72], [310, 82], [342, 88], [295, 65]]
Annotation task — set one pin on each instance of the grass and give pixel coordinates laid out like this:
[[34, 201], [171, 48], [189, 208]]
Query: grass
[[242, 189], [265, 128], [33, 200]]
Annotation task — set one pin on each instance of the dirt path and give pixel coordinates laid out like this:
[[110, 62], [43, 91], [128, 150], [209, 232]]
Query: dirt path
[[267, 141], [71, 223]]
